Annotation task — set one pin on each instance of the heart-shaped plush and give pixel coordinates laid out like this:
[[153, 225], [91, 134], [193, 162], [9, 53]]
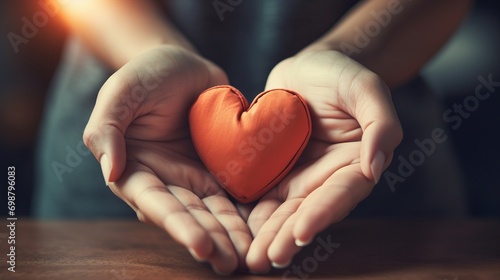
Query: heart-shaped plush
[[249, 149]]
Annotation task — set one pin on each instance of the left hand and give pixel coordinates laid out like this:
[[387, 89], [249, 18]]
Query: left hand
[[139, 132], [355, 131]]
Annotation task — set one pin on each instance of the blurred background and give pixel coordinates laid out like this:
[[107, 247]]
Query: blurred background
[[474, 50]]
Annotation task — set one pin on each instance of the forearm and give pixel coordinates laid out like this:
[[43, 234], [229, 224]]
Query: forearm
[[118, 30], [394, 38]]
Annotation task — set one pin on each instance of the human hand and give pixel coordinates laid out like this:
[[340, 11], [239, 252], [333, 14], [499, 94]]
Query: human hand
[[139, 132], [355, 131]]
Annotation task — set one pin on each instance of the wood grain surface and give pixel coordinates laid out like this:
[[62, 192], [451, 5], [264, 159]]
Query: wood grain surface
[[358, 249]]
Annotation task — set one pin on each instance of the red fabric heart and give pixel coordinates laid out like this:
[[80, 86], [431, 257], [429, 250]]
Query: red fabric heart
[[249, 149]]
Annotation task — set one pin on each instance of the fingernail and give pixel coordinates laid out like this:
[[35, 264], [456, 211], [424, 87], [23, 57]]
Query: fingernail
[[301, 243], [105, 167], [378, 165], [281, 266], [196, 256]]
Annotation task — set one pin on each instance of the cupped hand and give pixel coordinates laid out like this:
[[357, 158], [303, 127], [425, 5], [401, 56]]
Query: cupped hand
[[139, 132], [355, 131]]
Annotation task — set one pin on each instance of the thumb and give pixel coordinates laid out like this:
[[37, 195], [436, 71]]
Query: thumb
[[105, 130], [382, 130]]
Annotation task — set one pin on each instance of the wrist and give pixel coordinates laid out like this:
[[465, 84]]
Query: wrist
[[324, 46], [159, 42]]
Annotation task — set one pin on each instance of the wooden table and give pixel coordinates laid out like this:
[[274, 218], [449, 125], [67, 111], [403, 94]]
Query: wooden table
[[359, 249]]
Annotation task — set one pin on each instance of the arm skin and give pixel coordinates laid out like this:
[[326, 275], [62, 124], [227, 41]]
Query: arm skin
[[406, 43], [117, 32], [397, 53]]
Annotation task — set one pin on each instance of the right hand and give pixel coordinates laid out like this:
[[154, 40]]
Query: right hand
[[139, 133], [355, 130]]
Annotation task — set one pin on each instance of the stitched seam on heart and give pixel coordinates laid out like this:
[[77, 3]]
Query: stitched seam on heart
[[295, 157], [282, 89], [291, 163], [245, 105], [235, 91]]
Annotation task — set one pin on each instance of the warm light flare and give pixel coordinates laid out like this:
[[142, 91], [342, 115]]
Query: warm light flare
[[73, 11]]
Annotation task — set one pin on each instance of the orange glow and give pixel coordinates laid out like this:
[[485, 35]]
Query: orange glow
[[72, 11]]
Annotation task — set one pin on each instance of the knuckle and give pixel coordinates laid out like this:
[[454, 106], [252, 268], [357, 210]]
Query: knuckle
[[91, 140], [367, 81]]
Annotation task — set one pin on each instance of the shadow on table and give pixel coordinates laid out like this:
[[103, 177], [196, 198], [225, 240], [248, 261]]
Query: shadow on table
[[390, 250], [352, 249]]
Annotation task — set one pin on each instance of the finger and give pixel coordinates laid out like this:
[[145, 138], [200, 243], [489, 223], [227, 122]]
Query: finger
[[186, 218], [258, 258], [244, 209], [301, 184], [265, 207], [283, 247], [331, 202], [197, 183], [146, 193], [223, 258], [227, 215], [372, 107], [104, 133]]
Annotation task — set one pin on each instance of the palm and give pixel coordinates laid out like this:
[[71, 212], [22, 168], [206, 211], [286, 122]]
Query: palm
[[328, 181], [162, 178]]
